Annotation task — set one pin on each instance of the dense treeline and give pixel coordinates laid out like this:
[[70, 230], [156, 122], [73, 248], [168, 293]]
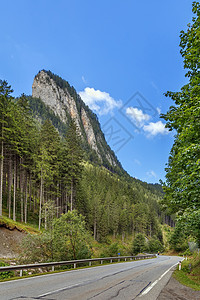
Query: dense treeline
[[37, 166], [43, 175], [113, 206]]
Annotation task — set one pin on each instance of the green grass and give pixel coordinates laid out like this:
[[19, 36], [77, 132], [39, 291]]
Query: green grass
[[182, 277], [10, 224], [189, 275]]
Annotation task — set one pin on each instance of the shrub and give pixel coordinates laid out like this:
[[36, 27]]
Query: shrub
[[4, 275]]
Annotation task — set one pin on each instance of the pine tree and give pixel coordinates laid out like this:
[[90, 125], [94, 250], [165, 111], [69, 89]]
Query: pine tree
[[5, 117], [75, 155]]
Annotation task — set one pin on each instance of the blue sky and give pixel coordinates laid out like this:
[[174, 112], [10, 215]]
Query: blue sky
[[120, 55]]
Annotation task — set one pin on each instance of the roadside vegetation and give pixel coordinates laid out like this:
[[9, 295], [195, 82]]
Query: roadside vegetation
[[189, 274]]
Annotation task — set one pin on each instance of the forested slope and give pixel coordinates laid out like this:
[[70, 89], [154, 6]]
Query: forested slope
[[45, 174]]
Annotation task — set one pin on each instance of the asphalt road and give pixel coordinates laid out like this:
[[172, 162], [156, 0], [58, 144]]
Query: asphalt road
[[128, 280]]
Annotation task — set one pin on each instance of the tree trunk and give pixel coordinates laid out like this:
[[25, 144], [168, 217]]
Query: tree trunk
[[14, 189], [71, 195], [41, 195], [10, 180], [21, 193], [30, 193], [26, 199]]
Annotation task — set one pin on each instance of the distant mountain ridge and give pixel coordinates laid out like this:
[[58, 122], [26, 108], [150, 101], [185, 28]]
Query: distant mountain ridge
[[56, 99]]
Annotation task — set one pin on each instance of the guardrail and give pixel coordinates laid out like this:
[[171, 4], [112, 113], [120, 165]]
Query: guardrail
[[72, 262]]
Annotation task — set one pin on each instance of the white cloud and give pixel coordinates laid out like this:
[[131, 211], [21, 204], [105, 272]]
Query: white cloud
[[155, 86], [158, 110], [151, 174], [155, 128], [84, 80], [137, 162], [137, 116], [99, 101]]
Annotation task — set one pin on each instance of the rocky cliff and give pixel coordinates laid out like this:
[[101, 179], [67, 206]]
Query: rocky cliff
[[66, 104]]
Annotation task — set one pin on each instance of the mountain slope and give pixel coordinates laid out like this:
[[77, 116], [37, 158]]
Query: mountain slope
[[50, 92]]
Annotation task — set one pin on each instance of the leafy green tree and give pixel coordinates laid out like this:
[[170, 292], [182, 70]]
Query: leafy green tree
[[71, 239], [182, 188]]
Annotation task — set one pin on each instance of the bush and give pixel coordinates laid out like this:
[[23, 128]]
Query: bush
[[4, 275], [36, 248], [68, 240]]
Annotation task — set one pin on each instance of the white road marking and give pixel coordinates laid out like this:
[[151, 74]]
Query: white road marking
[[59, 290], [155, 282]]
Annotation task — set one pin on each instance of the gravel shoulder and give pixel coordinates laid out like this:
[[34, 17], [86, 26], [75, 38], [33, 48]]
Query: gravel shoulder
[[176, 291]]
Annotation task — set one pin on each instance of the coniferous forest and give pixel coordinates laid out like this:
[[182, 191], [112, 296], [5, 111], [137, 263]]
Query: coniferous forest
[[43, 171]]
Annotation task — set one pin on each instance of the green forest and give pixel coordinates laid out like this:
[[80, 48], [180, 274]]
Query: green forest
[[50, 178], [45, 175]]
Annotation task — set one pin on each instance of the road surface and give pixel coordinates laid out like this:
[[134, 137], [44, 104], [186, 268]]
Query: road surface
[[128, 280]]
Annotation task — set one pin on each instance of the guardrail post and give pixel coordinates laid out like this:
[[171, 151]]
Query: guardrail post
[[21, 273], [111, 261], [118, 259], [125, 259], [90, 263], [53, 268], [74, 265], [101, 262]]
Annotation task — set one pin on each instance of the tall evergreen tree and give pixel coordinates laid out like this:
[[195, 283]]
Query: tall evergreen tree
[[5, 117], [47, 160], [75, 156]]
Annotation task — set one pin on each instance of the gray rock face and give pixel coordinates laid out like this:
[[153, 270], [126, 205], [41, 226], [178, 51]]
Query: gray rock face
[[56, 98], [65, 106]]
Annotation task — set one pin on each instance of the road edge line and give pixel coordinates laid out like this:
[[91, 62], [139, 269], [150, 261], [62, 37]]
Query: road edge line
[[156, 281]]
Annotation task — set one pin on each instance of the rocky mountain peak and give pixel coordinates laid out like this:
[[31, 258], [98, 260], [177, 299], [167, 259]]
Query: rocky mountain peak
[[63, 100]]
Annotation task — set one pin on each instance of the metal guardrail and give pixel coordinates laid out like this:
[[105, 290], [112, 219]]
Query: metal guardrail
[[72, 262]]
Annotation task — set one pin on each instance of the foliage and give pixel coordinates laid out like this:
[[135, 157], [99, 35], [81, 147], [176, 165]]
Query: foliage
[[4, 275], [114, 206], [139, 244], [182, 186], [68, 240], [178, 239], [154, 245], [189, 274], [36, 248], [44, 176], [113, 250], [10, 224]]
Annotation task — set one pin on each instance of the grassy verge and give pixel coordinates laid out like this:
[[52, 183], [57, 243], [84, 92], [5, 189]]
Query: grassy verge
[[189, 274], [10, 224]]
